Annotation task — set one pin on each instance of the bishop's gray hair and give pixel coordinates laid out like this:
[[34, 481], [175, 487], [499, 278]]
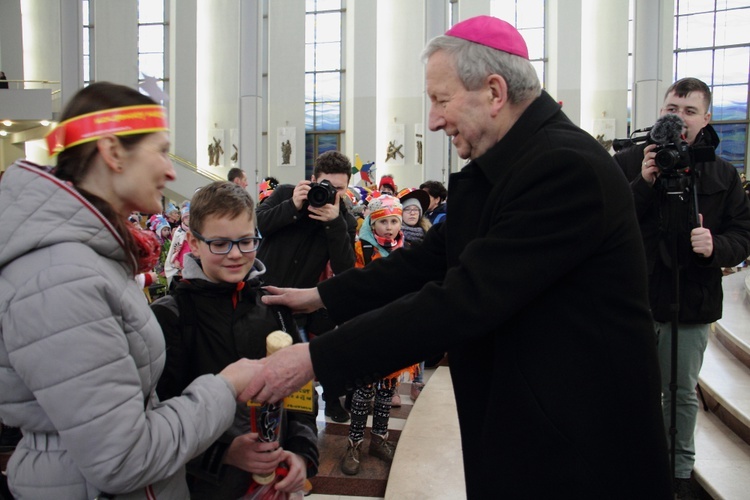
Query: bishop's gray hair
[[475, 62]]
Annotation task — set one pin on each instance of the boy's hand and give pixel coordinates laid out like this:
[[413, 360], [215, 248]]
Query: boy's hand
[[251, 455], [295, 478]]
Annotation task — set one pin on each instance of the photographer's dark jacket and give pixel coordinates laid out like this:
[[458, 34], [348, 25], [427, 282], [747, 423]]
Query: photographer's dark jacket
[[726, 212], [207, 326], [536, 286], [296, 248]]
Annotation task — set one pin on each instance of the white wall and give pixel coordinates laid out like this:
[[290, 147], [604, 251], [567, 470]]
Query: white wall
[[11, 39], [360, 93], [286, 84], [400, 78], [115, 37], [217, 70]]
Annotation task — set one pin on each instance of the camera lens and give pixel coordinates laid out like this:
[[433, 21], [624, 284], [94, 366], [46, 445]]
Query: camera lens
[[317, 196], [667, 158]]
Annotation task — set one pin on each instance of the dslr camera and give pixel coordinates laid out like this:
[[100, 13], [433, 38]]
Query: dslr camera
[[321, 193]]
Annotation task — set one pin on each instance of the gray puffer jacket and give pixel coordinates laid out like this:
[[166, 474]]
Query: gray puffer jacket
[[80, 355]]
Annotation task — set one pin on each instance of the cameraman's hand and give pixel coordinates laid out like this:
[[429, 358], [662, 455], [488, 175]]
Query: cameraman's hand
[[649, 170], [299, 196], [327, 212], [701, 239]]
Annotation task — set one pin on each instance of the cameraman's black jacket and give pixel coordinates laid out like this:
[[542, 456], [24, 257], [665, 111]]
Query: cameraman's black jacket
[[726, 212], [297, 248]]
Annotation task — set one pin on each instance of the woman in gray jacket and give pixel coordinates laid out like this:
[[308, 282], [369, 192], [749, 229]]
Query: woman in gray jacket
[[80, 350]]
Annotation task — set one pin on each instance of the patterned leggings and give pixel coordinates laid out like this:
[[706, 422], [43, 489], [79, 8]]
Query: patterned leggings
[[360, 407]]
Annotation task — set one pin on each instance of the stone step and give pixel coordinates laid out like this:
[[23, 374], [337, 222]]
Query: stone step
[[722, 436], [722, 465]]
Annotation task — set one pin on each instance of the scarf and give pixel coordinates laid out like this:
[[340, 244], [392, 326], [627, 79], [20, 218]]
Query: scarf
[[388, 244], [413, 235]]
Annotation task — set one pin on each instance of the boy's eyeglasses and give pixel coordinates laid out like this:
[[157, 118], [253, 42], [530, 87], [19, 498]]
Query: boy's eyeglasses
[[222, 246], [413, 210]]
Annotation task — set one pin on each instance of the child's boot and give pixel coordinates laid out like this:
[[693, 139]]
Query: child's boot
[[381, 448], [350, 462]]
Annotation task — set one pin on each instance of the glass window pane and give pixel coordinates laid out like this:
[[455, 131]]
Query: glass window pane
[[328, 4], [503, 9], [309, 116], [692, 6], [327, 116], [733, 143], [85, 12], [530, 14], [732, 27], [309, 57], [151, 65], [534, 42], [150, 11], [328, 142], [328, 87], [86, 42], [309, 5], [730, 4], [695, 31], [309, 87], [151, 38], [697, 64], [310, 28], [328, 56], [729, 103], [539, 67], [86, 69], [731, 65], [309, 154], [328, 27]]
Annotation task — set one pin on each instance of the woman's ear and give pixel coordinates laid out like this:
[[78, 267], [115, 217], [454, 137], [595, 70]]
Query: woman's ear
[[111, 151]]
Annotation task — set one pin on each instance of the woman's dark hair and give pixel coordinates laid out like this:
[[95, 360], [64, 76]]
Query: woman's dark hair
[[74, 163]]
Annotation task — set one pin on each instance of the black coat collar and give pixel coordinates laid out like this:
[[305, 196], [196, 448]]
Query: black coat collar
[[508, 149]]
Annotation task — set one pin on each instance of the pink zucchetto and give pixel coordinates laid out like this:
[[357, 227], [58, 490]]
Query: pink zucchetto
[[491, 32]]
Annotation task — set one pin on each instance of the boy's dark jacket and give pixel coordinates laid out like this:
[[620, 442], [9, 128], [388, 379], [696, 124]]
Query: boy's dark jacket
[[206, 327]]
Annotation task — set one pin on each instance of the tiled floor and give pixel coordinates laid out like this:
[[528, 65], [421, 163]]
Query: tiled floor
[[370, 483]]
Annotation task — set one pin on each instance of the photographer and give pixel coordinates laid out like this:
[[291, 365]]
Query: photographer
[[305, 227], [722, 239]]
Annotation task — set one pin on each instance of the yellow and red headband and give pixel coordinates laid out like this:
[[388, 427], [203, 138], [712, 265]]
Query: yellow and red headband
[[127, 120]]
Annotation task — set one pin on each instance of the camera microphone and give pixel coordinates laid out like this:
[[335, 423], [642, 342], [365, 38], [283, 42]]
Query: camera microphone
[[667, 129]]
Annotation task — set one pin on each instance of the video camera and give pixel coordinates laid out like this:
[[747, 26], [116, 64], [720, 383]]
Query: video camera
[[674, 156]]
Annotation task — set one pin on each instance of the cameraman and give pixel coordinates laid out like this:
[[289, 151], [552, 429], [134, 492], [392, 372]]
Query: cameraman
[[299, 240], [722, 240]]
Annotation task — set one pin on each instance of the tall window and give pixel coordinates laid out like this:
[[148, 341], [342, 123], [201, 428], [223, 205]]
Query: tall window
[[528, 17], [323, 78], [87, 32], [152, 36], [713, 44]]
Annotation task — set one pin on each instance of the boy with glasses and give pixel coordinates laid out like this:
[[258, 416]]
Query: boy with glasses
[[214, 315]]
